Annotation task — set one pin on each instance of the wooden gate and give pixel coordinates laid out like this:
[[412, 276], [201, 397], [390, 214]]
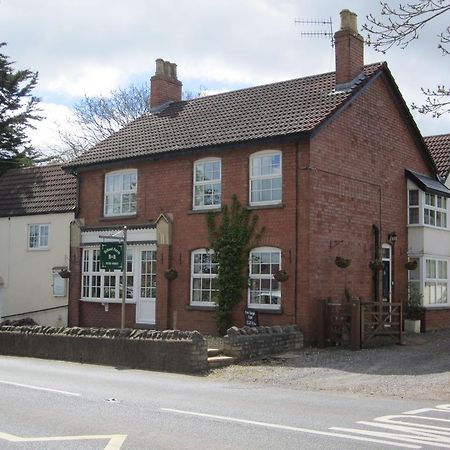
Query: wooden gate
[[355, 323]]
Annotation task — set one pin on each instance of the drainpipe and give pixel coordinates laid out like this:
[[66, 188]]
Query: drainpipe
[[376, 273]]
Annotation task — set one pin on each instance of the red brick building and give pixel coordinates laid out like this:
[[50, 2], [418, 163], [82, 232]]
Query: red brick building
[[321, 160]]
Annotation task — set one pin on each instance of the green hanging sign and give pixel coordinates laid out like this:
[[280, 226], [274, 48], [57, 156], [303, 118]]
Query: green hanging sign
[[111, 256]]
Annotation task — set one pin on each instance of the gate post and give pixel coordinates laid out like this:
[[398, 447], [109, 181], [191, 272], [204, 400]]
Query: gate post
[[356, 325]]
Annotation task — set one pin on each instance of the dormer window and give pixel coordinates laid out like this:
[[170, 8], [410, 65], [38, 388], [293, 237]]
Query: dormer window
[[120, 193]]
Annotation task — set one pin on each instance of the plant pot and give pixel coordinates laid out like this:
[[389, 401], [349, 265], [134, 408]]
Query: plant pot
[[376, 265], [411, 265], [341, 262], [412, 326], [171, 274], [64, 273], [281, 276]]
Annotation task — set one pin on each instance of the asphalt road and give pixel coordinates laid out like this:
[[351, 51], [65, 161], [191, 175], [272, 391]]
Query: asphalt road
[[54, 405]]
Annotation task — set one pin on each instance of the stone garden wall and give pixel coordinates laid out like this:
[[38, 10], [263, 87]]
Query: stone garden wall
[[169, 351], [254, 342]]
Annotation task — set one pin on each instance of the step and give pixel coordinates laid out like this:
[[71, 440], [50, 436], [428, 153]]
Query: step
[[214, 351], [215, 362]]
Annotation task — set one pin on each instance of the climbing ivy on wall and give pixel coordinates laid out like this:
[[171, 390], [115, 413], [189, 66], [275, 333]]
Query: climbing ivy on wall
[[232, 239]]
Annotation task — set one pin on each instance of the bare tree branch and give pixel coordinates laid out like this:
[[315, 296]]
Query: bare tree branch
[[402, 26]]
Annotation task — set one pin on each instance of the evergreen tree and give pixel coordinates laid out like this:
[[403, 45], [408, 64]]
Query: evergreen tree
[[18, 107]]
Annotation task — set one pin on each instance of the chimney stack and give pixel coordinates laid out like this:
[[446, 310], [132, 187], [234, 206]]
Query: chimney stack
[[349, 45], [165, 86]]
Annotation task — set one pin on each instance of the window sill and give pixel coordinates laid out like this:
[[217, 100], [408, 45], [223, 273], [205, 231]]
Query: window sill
[[436, 308], [277, 311], [109, 218], [108, 301], [204, 210], [201, 308], [274, 206]]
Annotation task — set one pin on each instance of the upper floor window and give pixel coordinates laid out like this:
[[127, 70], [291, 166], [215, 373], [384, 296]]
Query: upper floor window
[[264, 290], [413, 206], [38, 236], [425, 208], [204, 291], [120, 193], [207, 184], [265, 178], [435, 210]]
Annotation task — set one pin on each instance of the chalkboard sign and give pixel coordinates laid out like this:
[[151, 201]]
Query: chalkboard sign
[[251, 318]]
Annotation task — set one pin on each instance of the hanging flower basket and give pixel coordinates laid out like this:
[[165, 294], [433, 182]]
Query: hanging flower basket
[[64, 273], [376, 265], [281, 276], [171, 274], [411, 265], [341, 262]]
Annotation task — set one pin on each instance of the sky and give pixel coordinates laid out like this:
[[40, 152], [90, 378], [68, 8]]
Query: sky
[[90, 47]]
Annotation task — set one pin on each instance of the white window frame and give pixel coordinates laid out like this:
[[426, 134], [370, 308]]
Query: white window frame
[[429, 210], [91, 269], [41, 245], [122, 192], [260, 177], [434, 211], [414, 207], [202, 276], [435, 285], [266, 277], [201, 184]]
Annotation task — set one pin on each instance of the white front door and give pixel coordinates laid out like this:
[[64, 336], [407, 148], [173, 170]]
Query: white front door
[[146, 287]]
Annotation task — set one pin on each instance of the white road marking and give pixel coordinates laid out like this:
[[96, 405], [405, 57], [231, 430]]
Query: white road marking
[[115, 440], [410, 426], [289, 428], [40, 388]]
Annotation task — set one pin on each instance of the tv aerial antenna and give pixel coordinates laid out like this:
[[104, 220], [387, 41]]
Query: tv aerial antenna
[[321, 28]]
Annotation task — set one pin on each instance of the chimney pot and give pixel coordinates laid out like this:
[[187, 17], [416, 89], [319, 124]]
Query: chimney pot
[[349, 21]]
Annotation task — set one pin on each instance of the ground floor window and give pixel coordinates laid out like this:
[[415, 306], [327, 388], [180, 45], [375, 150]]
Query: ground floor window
[[100, 285], [264, 291], [436, 279], [204, 291]]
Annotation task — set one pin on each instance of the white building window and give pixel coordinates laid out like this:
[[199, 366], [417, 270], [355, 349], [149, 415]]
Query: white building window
[[264, 290], [204, 291], [120, 193], [436, 279], [435, 210], [207, 184], [38, 236], [427, 209], [413, 207], [100, 285], [265, 178]]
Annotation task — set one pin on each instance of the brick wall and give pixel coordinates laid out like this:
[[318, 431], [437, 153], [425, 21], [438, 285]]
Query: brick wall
[[357, 180], [165, 186], [435, 319]]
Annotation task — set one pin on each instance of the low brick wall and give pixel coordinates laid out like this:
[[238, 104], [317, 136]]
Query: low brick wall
[[168, 351], [254, 342]]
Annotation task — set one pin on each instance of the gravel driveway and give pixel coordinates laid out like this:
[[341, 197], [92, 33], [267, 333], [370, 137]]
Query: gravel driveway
[[419, 369]]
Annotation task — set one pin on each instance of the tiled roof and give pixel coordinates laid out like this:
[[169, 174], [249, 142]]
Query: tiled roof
[[37, 190], [273, 110], [439, 147]]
